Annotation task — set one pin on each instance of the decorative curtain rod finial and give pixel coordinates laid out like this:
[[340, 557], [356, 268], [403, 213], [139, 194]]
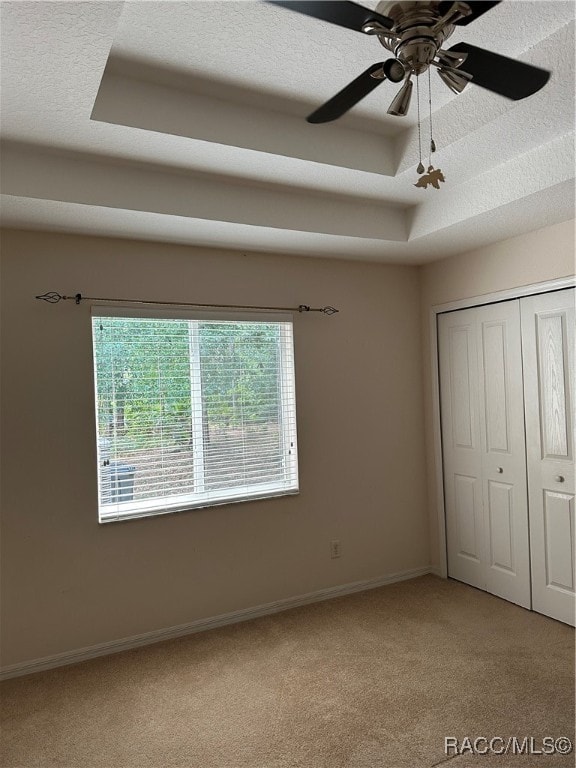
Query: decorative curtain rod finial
[[325, 310], [51, 297]]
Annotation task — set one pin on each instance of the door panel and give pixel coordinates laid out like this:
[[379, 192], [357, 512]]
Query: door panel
[[548, 350], [501, 526], [551, 355], [461, 347], [559, 539], [495, 395], [465, 506]]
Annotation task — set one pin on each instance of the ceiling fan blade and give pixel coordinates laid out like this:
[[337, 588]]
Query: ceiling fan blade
[[478, 8], [508, 77], [348, 96], [341, 12]]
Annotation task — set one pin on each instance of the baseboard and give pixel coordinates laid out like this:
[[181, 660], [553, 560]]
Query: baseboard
[[201, 625]]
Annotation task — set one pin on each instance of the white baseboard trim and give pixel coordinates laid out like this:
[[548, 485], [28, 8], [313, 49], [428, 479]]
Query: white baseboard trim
[[201, 625]]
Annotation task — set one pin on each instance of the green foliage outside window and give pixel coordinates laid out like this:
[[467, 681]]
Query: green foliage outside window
[[145, 394]]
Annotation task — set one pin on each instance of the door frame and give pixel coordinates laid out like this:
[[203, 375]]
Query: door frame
[[474, 301]]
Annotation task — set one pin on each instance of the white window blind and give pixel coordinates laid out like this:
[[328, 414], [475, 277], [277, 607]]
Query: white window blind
[[192, 412]]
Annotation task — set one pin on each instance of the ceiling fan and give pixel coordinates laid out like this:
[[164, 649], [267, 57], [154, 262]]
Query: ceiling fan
[[415, 32]]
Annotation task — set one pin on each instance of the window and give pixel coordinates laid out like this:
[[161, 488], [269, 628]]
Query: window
[[191, 411]]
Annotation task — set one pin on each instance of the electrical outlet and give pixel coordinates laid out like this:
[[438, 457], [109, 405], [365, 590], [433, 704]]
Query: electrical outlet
[[335, 549]]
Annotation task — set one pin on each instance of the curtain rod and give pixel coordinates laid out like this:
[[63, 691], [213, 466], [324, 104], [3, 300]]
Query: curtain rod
[[53, 298]]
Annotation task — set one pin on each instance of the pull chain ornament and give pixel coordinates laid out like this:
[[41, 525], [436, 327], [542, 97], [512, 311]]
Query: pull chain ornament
[[433, 175], [420, 168]]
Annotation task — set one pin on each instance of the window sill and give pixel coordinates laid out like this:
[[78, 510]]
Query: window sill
[[134, 510]]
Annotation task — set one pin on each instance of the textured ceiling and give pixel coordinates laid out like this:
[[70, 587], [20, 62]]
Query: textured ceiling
[[185, 122]]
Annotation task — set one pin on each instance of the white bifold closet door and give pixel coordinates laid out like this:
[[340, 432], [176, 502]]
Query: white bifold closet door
[[548, 351], [484, 453]]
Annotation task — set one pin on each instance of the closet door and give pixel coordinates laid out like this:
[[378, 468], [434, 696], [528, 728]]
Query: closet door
[[484, 449], [457, 337], [548, 350], [503, 453]]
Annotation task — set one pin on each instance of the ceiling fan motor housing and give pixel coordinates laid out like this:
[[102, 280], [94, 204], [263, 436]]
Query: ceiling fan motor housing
[[416, 39]]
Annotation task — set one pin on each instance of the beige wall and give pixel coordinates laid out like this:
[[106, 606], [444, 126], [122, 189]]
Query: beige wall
[[532, 258], [69, 582], [363, 377]]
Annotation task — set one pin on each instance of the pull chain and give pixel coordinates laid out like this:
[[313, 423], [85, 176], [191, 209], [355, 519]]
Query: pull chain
[[433, 176], [420, 168], [432, 142]]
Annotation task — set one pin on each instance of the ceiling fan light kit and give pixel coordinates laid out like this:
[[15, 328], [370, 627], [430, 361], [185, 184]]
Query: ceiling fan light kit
[[401, 102], [415, 31], [455, 80]]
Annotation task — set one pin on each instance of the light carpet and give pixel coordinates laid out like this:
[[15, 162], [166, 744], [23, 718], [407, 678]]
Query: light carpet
[[372, 680]]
